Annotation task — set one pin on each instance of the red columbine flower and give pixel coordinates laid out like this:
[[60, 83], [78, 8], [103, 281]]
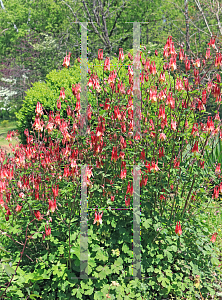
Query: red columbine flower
[[210, 125], [107, 64], [207, 53], [37, 124], [217, 171], [136, 61], [164, 123], [38, 215], [129, 189], [137, 136], [176, 163], [58, 104], [121, 155], [127, 201], [55, 190], [8, 212], [154, 166], [179, 85], [216, 192], [47, 231], [153, 94], [76, 89], [100, 54], [162, 112], [162, 195], [123, 127], [114, 154], [187, 64], [194, 131], [162, 94], [204, 96], [62, 93], [121, 55], [212, 42], [107, 105], [143, 181], [98, 218], [187, 88], [178, 229], [161, 152], [123, 173], [162, 136], [148, 167], [66, 61], [52, 205], [153, 68], [162, 77], [21, 195], [197, 63], [202, 164], [18, 208], [142, 155], [181, 54], [38, 109], [193, 197], [214, 236], [215, 90], [218, 59], [195, 147], [173, 125], [172, 63], [217, 117], [170, 100]]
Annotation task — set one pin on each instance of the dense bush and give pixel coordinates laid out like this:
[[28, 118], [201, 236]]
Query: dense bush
[[169, 262], [172, 188]]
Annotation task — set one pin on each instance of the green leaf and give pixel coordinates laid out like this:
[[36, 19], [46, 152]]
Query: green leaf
[[8, 270], [33, 296], [164, 281], [215, 261], [172, 248], [76, 251], [4, 250], [147, 223], [125, 248], [169, 273], [157, 271], [113, 223], [104, 271]]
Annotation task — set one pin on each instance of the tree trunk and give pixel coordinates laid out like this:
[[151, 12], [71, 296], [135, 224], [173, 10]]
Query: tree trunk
[[187, 25]]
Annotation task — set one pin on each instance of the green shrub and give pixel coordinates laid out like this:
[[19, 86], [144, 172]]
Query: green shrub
[[4, 123], [170, 262]]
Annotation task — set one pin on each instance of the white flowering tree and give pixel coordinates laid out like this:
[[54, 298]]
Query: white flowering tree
[[6, 94]]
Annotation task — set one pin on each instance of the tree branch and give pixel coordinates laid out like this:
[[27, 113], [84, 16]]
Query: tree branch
[[117, 16], [203, 15], [2, 5], [218, 19], [90, 17]]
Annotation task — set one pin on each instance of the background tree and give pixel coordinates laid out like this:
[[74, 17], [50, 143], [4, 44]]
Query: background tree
[[47, 29]]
